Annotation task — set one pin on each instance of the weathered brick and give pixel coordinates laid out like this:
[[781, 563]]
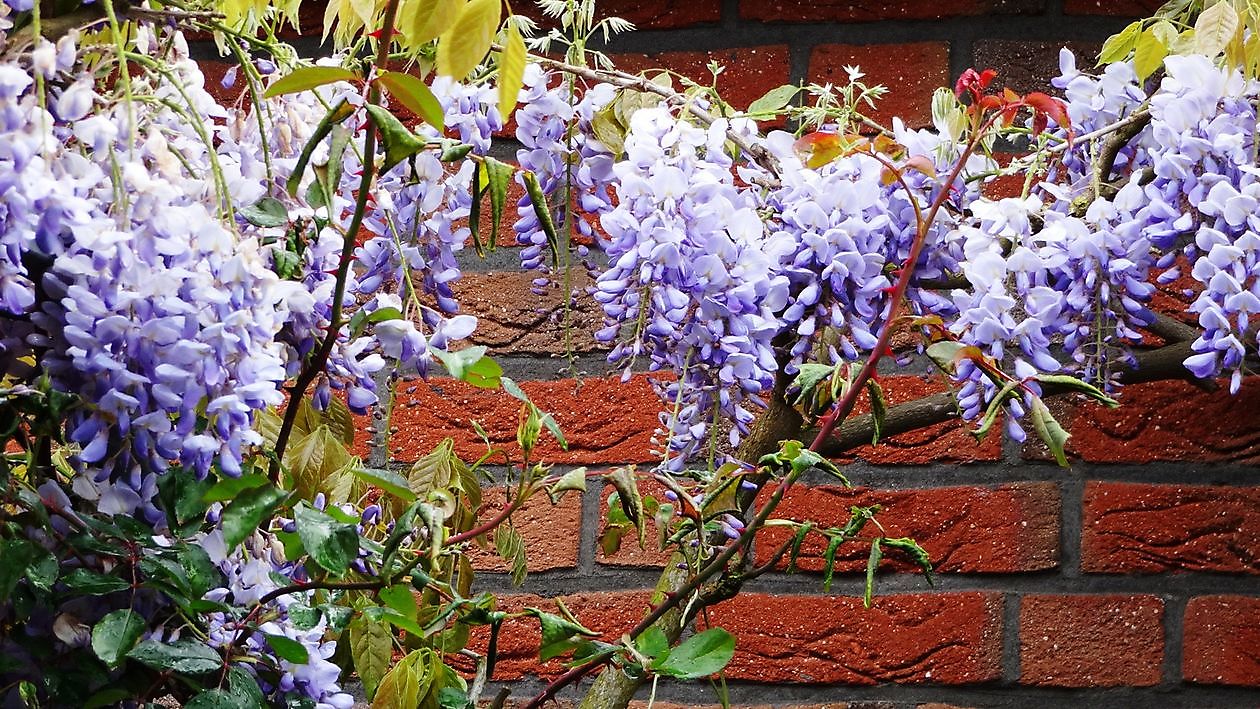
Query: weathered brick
[[945, 638], [1006, 529], [948, 442], [1118, 8], [1025, 66], [605, 420], [1078, 641], [911, 72], [551, 532], [750, 71], [511, 319], [1170, 420], [1222, 635], [1132, 527], [854, 11]]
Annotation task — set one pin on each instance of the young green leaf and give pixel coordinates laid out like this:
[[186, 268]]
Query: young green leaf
[[1149, 54], [917, 554], [1118, 46], [266, 212], [288, 649], [557, 633], [511, 548], [412, 93], [872, 565], [1215, 28], [462, 47], [773, 100], [338, 113], [498, 174], [421, 21], [387, 480], [308, 77], [228, 488], [1049, 430], [829, 559]]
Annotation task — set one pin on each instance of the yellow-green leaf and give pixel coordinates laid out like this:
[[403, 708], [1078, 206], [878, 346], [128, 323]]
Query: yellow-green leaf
[[1118, 46], [412, 93], [462, 47], [1149, 54], [371, 646], [1215, 28], [511, 70], [308, 77], [422, 21]]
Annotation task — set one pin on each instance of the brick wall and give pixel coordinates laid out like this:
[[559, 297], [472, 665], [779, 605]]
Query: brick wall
[[1131, 578]]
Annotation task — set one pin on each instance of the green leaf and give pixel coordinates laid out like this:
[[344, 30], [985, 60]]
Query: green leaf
[[400, 598], [698, 656], [879, 408], [266, 212], [917, 554], [1049, 430], [387, 480], [338, 417], [115, 635], [498, 174], [362, 318], [288, 649], [84, 581], [538, 199], [16, 553], [243, 515], [627, 485], [652, 643], [308, 77], [829, 559], [471, 365], [399, 141], [557, 633], [812, 396], [872, 565], [511, 70], [404, 686], [573, 480], [1077, 385], [201, 572], [1118, 46], [797, 540], [511, 548], [213, 699], [462, 47], [412, 93], [774, 99], [1214, 29], [331, 544], [1149, 54], [185, 656], [608, 130], [371, 647], [182, 497], [112, 696], [229, 488], [244, 689], [794, 457], [435, 471], [42, 571]]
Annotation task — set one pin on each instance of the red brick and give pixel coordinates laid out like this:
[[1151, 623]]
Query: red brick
[[1091, 641], [854, 11], [1131, 527], [513, 320], [1006, 529], [1222, 635], [944, 638], [646, 14], [1119, 8], [605, 421], [1028, 66], [551, 532], [948, 442], [750, 71], [1171, 420], [910, 72]]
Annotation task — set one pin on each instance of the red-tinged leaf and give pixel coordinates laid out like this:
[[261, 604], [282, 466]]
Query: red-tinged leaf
[[1010, 95], [967, 82], [990, 103], [1039, 122], [818, 149], [887, 177], [1052, 107], [921, 163]]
